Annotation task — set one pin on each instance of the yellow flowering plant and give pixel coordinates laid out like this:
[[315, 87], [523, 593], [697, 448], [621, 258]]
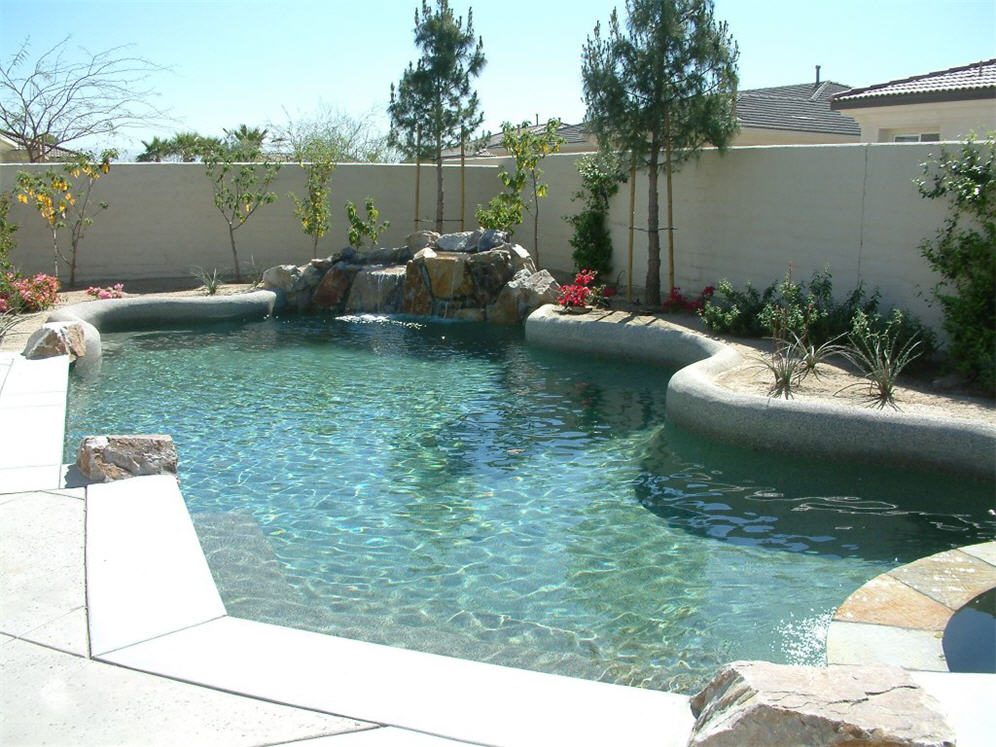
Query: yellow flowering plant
[[63, 200], [313, 211]]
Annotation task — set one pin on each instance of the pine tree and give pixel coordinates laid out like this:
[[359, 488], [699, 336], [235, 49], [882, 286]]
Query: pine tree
[[668, 83], [434, 107]]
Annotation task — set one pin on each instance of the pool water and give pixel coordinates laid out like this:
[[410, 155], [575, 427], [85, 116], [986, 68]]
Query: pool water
[[970, 636], [445, 487]]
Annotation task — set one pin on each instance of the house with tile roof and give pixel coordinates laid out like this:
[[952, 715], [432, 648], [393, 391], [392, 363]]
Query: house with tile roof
[[793, 115], [797, 114], [576, 140], [941, 105]]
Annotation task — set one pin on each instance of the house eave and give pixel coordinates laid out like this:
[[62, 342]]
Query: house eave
[[926, 97]]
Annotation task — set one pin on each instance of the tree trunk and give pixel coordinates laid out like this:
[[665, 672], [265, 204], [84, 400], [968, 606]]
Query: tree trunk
[[670, 203], [536, 224], [55, 252], [439, 192], [235, 254], [653, 284]]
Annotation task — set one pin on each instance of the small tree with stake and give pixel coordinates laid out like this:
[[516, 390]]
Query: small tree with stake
[[239, 188], [528, 147], [63, 199], [433, 106], [665, 86]]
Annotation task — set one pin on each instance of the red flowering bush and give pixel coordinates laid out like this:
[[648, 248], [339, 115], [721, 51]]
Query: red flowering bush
[[32, 293], [679, 302], [581, 293], [113, 291]]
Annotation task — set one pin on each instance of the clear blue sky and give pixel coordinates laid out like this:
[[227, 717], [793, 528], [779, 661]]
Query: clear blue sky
[[249, 61]]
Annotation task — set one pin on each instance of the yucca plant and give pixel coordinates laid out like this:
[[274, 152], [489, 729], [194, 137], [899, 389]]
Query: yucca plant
[[880, 353], [8, 320], [785, 366], [813, 356], [210, 280]]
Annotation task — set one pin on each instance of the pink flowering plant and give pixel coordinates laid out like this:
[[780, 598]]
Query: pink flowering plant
[[28, 293], [582, 292], [112, 291], [677, 301]]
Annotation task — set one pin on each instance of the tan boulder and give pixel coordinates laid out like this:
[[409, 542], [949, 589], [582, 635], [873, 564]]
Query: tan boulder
[[449, 276], [281, 278], [107, 458], [417, 293], [420, 240], [333, 290], [756, 702], [56, 338], [377, 290], [522, 295]]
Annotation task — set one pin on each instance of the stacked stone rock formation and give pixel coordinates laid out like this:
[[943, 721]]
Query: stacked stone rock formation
[[474, 275]]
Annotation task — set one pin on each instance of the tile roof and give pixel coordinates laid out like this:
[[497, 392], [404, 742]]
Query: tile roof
[[977, 80], [803, 107], [571, 133]]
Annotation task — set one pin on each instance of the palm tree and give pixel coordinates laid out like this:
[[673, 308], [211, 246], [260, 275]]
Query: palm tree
[[155, 151]]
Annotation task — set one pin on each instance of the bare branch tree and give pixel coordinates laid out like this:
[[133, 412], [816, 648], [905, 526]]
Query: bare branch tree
[[335, 134], [61, 98]]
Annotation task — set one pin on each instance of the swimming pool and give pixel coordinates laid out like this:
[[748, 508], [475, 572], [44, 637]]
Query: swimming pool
[[447, 488]]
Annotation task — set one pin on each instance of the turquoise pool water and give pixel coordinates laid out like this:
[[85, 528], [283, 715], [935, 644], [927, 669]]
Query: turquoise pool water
[[447, 488]]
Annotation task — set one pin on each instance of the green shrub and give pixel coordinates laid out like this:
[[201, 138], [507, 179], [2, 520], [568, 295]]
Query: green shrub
[[963, 253], [807, 310], [360, 229], [600, 177], [737, 313]]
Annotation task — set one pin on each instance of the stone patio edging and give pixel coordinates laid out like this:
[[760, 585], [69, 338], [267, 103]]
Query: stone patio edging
[[900, 616], [811, 428]]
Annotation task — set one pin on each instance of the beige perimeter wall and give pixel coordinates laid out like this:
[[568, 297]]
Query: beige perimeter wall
[[745, 215]]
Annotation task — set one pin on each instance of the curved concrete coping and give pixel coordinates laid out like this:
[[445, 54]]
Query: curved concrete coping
[[813, 428], [121, 314], [152, 606], [899, 617]]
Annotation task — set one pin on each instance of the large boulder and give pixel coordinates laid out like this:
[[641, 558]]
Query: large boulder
[[332, 292], [56, 338], [491, 238], [457, 242], [281, 278], [755, 702], [419, 240], [384, 256], [489, 272], [449, 276], [521, 259], [377, 290], [417, 292], [107, 458], [522, 295]]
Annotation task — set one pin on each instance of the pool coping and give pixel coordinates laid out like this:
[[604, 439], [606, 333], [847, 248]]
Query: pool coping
[[201, 644], [806, 427], [899, 617]]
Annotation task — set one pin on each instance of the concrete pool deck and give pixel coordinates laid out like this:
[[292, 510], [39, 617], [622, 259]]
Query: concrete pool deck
[[111, 631]]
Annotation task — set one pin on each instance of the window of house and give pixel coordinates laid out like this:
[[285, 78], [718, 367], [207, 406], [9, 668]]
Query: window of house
[[923, 137]]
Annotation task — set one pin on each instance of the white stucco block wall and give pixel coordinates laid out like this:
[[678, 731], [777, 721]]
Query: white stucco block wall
[[746, 215]]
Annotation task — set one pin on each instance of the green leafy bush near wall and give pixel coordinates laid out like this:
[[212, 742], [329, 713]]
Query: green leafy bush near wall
[[600, 178], [964, 253], [787, 308]]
